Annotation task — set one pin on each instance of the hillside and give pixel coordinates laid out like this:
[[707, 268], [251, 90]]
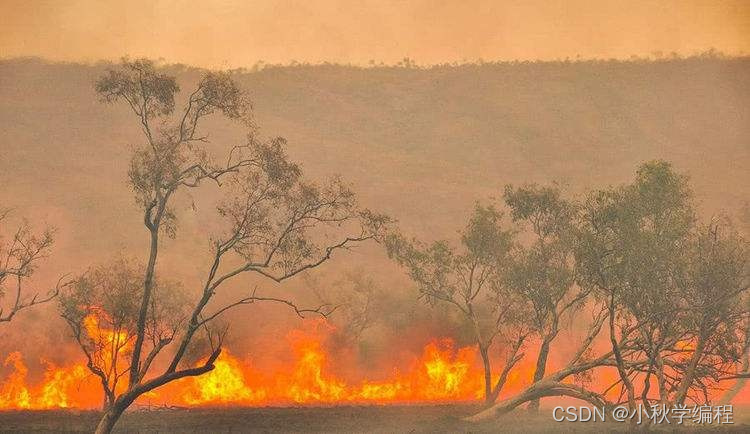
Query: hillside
[[419, 144]]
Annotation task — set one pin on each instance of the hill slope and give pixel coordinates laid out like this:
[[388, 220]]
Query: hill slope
[[422, 145]]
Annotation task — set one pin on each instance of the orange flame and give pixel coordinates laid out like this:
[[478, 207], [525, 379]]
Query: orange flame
[[442, 373], [14, 394]]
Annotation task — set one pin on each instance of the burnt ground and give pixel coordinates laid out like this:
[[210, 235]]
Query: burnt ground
[[350, 419]]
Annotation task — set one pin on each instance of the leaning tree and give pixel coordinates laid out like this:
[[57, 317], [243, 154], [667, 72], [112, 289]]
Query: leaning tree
[[672, 293], [674, 288], [633, 248], [276, 223]]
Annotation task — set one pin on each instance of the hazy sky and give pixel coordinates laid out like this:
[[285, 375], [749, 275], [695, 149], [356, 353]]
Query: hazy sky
[[231, 33]]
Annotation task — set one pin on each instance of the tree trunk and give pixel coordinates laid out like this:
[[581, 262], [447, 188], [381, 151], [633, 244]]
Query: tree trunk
[[110, 418], [541, 367], [488, 396], [620, 363], [689, 376], [148, 285], [740, 383], [536, 391]]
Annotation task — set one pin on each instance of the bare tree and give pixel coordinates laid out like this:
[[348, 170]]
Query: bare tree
[[468, 280], [20, 254], [277, 224]]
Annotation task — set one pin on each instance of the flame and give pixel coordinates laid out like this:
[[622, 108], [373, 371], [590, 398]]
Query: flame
[[442, 374], [66, 386], [14, 394], [225, 384], [313, 375], [56, 391], [58, 385]]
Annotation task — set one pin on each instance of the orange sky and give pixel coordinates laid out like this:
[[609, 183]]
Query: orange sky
[[232, 33]]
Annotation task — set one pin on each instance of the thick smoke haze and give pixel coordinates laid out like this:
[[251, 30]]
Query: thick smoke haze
[[382, 215], [240, 33], [419, 144]]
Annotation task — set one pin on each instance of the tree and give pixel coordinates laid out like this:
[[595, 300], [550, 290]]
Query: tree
[[633, 244], [558, 383], [714, 314], [355, 297], [19, 258], [277, 224], [671, 290], [674, 288], [744, 370], [542, 270], [468, 280], [101, 309]]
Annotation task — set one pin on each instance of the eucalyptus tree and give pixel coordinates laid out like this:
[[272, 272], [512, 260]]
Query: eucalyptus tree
[[466, 276], [276, 223], [633, 246], [714, 313], [672, 291], [675, 288], [542, 270]]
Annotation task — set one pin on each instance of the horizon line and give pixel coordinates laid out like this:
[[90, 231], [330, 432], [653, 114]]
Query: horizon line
[[406, 62]]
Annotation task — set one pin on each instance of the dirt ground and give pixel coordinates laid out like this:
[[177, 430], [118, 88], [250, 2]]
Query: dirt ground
[[373, 419]]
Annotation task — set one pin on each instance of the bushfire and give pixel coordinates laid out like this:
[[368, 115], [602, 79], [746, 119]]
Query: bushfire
[[442, 373]]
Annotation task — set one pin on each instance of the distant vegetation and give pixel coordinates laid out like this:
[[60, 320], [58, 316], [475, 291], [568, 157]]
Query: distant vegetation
[[426, 145]]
